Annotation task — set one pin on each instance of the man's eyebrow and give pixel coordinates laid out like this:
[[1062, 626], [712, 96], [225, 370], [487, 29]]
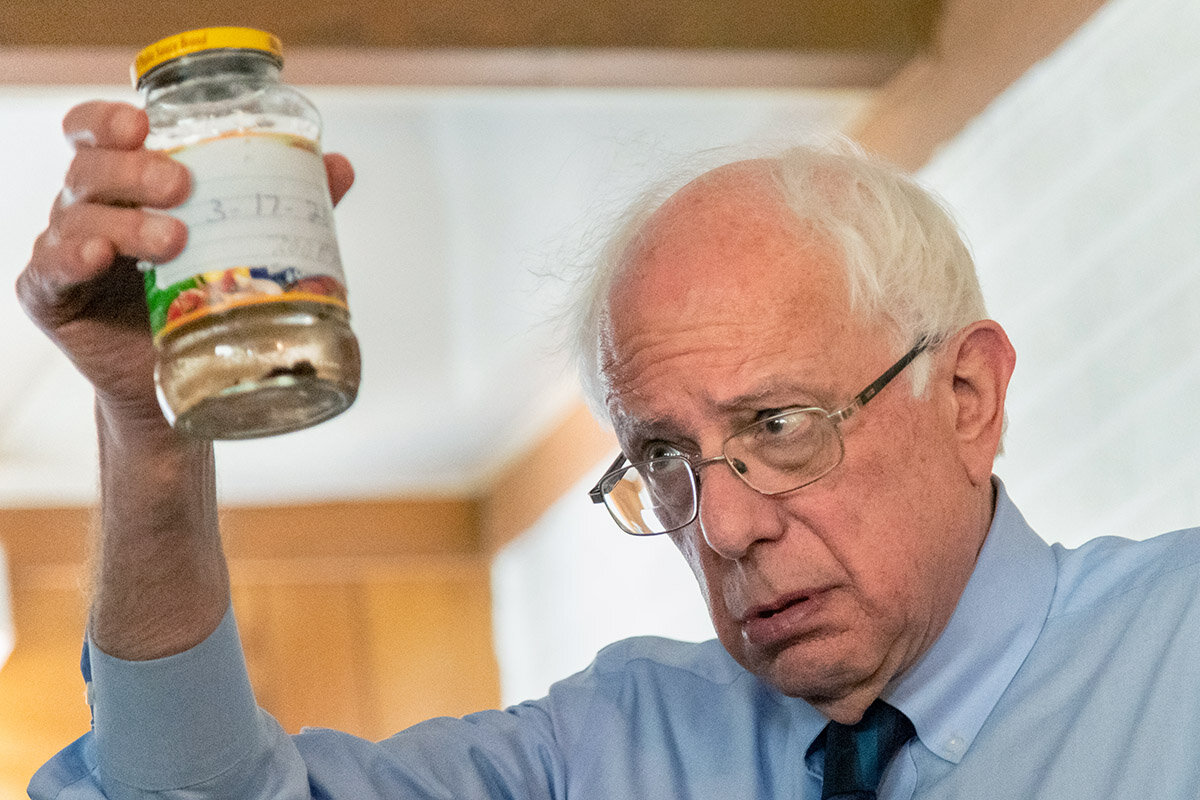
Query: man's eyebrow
[[655, 427], [779, 394], [774, 394], [636, 433]]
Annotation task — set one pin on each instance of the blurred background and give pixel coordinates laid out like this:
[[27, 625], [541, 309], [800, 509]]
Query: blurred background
[[431, 551]]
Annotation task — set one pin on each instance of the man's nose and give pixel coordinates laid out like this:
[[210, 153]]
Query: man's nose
[[734, 516]]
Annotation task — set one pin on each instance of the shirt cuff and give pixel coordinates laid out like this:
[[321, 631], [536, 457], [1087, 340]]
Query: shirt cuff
[[176, 721]]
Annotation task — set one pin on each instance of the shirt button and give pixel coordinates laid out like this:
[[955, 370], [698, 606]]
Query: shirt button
[[955, 746]]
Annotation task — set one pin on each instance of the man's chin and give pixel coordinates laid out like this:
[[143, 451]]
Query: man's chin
[[818, 672]]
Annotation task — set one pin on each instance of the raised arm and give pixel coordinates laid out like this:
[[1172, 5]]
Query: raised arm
[[160, 583]]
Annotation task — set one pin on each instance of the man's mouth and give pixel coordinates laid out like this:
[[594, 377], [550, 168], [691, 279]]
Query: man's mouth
[[767, 613], [782, 619]]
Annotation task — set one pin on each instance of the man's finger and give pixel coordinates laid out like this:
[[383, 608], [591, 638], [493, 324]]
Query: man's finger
[[87, 233], [127, 178], [100, 123], [340, 174]]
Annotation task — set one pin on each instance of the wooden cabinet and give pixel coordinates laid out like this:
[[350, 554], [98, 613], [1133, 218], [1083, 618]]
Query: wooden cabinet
[[364, 617]]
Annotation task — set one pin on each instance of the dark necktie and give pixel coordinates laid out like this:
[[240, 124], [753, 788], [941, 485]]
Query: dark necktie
[[856, 755]]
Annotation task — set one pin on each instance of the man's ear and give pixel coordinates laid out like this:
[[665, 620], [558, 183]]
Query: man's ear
[[980, 359]]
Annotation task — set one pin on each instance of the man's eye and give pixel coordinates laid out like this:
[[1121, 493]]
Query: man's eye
[[659, 450], [787, 428], [780, 426], [780, 421]]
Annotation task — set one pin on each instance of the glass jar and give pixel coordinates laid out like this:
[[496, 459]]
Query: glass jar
[[250, 321]]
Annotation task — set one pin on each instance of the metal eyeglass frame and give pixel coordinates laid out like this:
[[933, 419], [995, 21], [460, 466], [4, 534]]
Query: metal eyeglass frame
[[597, 493]]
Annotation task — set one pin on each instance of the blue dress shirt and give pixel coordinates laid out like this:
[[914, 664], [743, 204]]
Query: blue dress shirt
[[1061, 674]]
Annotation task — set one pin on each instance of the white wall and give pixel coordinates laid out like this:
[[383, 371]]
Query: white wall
[[1079, 190], [574, 583]]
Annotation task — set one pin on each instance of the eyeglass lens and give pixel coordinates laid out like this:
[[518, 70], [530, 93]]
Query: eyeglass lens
[[654, 497], [780, 453], [774, 455]]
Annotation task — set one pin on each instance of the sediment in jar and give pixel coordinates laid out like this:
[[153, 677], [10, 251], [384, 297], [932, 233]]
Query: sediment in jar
[[259, 370]]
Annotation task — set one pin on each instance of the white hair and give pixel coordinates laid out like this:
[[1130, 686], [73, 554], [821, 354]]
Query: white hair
[[906, 264]]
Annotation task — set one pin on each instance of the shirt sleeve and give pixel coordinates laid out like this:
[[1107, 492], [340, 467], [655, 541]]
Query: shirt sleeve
[[184, 725], [188, 726]]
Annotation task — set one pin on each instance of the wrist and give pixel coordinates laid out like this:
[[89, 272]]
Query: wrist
[[151, 472], [136, 428]]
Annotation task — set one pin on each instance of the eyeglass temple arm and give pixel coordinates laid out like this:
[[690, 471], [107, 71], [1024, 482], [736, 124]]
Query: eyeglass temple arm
[[883, 380], [596, 492]]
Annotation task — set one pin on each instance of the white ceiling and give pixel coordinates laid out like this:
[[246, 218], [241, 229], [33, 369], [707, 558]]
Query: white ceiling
[[466, 199]]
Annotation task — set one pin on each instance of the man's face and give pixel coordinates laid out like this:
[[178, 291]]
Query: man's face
[[726, 316]]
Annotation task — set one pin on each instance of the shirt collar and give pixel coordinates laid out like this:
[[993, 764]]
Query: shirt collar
[[951, 690]]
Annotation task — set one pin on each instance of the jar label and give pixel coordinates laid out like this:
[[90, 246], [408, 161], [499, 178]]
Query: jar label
[[260, 230]]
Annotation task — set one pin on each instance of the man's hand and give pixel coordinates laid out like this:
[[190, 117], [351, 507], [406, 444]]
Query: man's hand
[[82, 286]]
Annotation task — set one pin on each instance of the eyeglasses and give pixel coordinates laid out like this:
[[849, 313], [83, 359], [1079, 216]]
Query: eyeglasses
[[774, 455]]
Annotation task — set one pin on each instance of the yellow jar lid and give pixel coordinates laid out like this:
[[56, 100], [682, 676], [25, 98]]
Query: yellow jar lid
[[181, 44]]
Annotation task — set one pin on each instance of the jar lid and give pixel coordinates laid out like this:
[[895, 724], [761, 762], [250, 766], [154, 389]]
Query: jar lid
[[182, 44]]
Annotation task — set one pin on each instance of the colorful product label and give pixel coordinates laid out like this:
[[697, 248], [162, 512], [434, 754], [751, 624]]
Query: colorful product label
[[260, 230]]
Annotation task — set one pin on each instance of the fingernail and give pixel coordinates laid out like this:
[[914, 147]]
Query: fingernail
[[83, 138], [157, 232]]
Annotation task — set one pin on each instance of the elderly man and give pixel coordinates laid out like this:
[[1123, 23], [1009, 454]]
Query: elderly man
[[809, 398]]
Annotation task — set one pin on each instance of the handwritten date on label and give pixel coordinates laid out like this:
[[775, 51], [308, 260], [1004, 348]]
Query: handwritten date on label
[[260, 205]]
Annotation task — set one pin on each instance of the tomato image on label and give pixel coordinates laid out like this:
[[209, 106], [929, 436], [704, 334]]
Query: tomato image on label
[[189, 300], [322, 285]]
